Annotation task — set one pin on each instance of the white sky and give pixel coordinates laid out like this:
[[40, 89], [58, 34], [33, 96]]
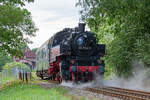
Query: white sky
[[51, 16]]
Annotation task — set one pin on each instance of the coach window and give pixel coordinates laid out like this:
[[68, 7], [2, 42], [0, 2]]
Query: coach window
[[42, 53], [38, 55]]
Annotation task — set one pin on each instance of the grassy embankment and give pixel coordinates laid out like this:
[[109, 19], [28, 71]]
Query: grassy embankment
[[6, 79], [20, 91]]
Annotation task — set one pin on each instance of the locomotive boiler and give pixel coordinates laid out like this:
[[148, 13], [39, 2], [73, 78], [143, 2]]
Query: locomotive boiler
[[71, 55]]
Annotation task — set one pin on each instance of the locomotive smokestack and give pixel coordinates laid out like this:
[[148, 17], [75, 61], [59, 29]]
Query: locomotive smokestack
[[82, 27]]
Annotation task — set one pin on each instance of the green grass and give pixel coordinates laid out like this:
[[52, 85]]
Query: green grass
[[4, 79], [15, 89], [19, 91], [7, 79]]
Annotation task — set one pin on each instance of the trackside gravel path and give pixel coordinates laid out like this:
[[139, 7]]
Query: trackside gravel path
[[78, 92]]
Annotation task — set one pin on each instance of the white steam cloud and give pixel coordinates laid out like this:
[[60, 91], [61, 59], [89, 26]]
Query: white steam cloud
[[139, 80]]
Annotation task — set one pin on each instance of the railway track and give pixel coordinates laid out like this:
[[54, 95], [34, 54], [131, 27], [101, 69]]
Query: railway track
[[125, 94]]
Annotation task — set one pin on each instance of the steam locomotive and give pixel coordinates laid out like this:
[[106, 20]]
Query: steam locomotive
[[71, 55]]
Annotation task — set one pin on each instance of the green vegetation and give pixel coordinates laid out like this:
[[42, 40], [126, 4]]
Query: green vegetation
[[15, 23], [8, 74], [4, 80], [124, 25], [19, 91], [16, 65], [4, 59], [16, 2]]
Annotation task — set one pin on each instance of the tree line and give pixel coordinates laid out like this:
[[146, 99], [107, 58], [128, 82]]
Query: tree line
[[16, 26], [124, 26]]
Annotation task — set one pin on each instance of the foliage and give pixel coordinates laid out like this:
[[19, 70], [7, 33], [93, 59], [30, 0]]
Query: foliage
[[7, 58], [16, 2], [4, 59], [12, 83], [16, 65], [32, 92], [6, 79], [15, 24], [124, 26]]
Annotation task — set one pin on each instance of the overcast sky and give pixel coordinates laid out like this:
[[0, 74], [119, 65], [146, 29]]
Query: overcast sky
[[51, 16]]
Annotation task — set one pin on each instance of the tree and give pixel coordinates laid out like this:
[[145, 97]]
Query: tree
[[124, 26], [18, 65], [4, 59], [15, 24], [16, 2]]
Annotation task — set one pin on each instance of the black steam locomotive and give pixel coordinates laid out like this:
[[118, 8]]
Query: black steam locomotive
[[72, 54]]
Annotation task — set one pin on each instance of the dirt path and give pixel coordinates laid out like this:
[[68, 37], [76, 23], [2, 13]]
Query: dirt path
[[78, 92]]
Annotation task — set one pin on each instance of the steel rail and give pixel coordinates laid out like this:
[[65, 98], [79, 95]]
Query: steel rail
[[126, 95], [135, 91], [138, 93]]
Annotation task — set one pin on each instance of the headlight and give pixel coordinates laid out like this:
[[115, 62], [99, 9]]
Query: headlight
[[81, 41]]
